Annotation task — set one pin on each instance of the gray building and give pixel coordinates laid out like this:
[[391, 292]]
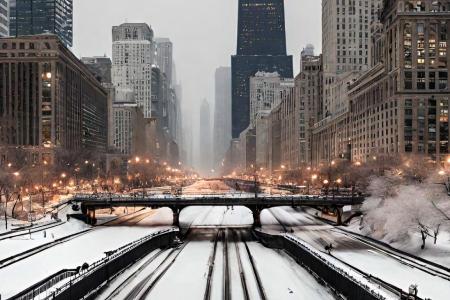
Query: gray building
[[222, 113], [133, 57], [164, 57], [30, 17], [4, 18], [100, 66]]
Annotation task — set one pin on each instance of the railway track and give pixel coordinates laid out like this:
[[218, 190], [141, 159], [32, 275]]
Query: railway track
[[211, 264], [23, 255], [145, 286], [132, 276], [261, 290], [30, 230], [434, 270], [226, 293], [241, 268], [403, 258]]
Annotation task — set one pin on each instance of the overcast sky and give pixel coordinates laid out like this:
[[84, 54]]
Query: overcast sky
[[203, 33]]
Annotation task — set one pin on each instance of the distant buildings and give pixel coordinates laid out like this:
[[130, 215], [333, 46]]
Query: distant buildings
[[4, 18], [222, 114], [129, 125], [133, 57], [49, 100], [29, 17], [261, 47], [164, 57]]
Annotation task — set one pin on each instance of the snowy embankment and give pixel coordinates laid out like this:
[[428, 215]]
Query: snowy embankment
[[398, 213], [88, 248]]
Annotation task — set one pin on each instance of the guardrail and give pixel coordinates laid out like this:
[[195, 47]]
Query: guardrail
[[38, 289], [88, 278]]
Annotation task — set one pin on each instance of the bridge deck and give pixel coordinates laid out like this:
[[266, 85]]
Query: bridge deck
[[248, 200]]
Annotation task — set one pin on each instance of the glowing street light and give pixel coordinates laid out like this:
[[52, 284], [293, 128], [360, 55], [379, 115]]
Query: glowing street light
[[314, 177], [442, 172], [358, 163], [16, 174], [448, 160], [63, 175], [9, 165], [339, 181], [137, 159], [283, 167], [326, 182]]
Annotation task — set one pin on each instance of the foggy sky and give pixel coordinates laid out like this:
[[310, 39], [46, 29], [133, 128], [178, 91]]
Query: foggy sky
[[203, 33]]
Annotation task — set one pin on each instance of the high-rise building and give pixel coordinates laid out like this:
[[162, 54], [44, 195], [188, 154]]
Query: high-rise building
[[164, 57], [58, 103], [133, 56], [100, 66], [266, 92], [261, 46], [205, 147], [222, 113], [308, 93], [4, 18], [346, 40], [30, 17]]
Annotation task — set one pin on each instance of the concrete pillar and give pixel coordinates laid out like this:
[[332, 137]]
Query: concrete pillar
[[176, 217], [256, 217], [339, 216]]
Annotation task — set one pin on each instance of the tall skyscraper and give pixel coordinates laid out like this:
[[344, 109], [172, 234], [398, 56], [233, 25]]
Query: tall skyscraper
[[164, 57], [30, 17], [346, 39], [205, 147], [4, 18], [222, 113], [261, 46], [133, 56]]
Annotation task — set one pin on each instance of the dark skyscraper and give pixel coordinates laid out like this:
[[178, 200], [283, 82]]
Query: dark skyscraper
[[30, 17], [261, 46]]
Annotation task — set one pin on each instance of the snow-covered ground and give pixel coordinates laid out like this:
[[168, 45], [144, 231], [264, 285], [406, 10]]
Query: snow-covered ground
[[89, 248], [356, 253], [281, 277]]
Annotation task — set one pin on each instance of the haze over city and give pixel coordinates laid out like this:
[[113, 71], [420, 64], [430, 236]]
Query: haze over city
[[198, 49]]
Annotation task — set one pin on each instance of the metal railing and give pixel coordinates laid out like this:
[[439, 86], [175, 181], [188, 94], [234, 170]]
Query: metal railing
[[38, 290]]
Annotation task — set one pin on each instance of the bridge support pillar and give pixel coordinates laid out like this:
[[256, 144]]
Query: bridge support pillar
[[339, 216], [256, 217], [176, 217]]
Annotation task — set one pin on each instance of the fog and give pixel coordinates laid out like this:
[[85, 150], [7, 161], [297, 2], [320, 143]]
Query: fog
[[203, 33]]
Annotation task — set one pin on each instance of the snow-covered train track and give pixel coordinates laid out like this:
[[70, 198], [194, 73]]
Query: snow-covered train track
[[408, 260], [145, 286], [30, 230]]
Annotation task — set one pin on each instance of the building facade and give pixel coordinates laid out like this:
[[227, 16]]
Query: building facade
[[30, 17], [133, 57], [346, 40], [405, 107], [308, 93], [261, 46], [266, 92], [401, 105], [49, 100], [164, 57], [4, 18]]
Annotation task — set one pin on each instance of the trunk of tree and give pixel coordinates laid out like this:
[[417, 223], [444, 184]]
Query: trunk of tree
[[424, 237]]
